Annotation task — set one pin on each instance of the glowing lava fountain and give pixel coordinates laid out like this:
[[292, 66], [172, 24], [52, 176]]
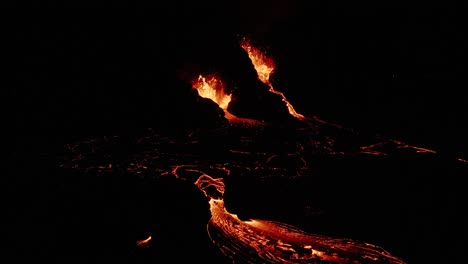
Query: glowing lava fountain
[[264, 67], [212, 88]]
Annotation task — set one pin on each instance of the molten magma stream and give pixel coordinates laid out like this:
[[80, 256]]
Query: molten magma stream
[[259, 241], [264, 67]]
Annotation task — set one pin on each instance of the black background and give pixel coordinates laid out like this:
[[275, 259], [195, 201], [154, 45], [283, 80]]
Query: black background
[[395, 70]]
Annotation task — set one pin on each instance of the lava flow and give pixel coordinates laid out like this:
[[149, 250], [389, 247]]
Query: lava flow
[[259, 241], [250, 241], [265, 67]]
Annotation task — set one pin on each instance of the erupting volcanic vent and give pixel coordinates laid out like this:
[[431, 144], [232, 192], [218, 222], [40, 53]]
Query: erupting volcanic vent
[[265, 67], [257, 153], [212, 88]]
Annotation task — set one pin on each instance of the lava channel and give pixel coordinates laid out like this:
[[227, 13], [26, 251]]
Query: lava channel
[[260, 241]]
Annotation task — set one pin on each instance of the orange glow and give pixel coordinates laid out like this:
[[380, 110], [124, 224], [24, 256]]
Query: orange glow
[[262, 241], [145, 243], [264, 67], [212, 88], [262, 64]]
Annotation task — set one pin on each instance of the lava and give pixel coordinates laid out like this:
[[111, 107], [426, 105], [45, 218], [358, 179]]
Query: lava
[[212, 88], [264, 66], [144, 243], [260, 241], [377, 148], [251, 241], [255, 240]]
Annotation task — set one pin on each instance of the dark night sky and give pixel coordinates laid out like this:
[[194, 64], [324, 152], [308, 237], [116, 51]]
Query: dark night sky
[[394, 70]]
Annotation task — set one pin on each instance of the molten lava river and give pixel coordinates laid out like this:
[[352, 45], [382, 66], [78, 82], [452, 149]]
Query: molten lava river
[[249, 148]]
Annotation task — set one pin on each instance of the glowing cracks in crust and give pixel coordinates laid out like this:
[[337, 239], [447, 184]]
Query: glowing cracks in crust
[[378, 148]]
